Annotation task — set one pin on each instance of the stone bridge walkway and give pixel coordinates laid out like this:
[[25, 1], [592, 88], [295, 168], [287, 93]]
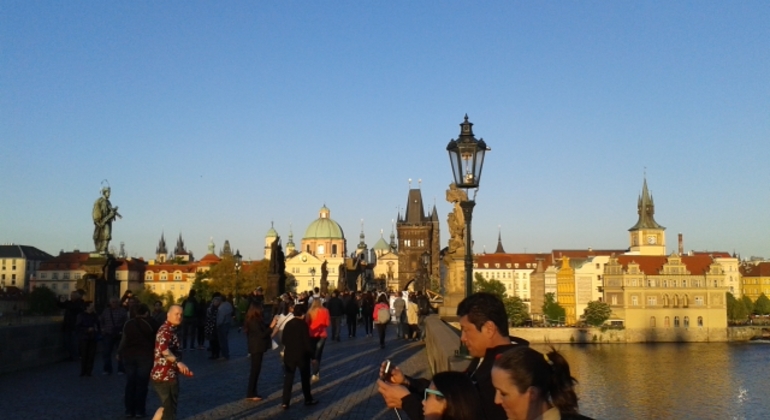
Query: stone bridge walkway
[[347, 388]]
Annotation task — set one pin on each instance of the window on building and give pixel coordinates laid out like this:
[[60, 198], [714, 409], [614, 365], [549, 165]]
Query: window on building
[[53, 286], [614, 299], [177, 276], [676, 301], [665, 301], [334, 249], [652, 322], [715, 283], [652, 300], [685, 301], [54, 276], [687, 322], [665, 283], [700, 321], [65, 286], [148, 276], [163, 277], [13, 277], [152, 286], [321, 249], [171, 287], [634, 300], [77, 276], [698, 300], [676, 322], [684, 283], [666, 322], [66, 276]]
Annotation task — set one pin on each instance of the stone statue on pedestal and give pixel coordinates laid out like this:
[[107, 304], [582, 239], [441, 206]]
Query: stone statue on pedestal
[[103, 215], [456, 220]]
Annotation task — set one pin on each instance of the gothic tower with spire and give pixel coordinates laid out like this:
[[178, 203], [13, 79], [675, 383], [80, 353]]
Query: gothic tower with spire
[[647, 236], [161, 252], [417, 233]]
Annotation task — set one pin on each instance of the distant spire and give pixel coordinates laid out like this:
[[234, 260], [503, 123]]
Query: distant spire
[[362, 242], [499, 249], [646, 210], [212, 247], [161, 248]]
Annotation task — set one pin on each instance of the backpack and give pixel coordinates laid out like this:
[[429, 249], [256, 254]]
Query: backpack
[[383, 315], [189, 309]]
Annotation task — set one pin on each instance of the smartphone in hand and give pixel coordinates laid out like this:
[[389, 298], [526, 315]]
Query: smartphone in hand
[[388, 371]]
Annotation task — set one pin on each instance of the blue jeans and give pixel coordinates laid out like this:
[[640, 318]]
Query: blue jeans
[[224, 345], [168, 392], [137, 380]]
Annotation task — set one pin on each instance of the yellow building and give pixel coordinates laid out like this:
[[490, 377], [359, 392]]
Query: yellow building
[[667, 292], [565, 290], [18, 264], [755, 279]]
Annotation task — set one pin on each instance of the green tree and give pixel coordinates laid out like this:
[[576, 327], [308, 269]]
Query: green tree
[[202, 286], [517, 311], [492, 286], [762, 305], [148, 297], [748, 304], [168, 299], [253, 275], [223, 278], [552, 310], [42, 301], [597, 312], [736, 309]]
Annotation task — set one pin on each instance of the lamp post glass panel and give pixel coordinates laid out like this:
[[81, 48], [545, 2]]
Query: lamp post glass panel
[[238, 259], [466, 156]]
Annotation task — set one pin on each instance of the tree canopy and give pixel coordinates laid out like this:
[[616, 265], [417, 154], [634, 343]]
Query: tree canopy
[[517, 310], [762, 305], [736, 309], [492, 286], [552, 310], [597, 312]]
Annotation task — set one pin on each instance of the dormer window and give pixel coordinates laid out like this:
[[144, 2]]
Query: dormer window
[[516, 265], [497, 265], [486, 265]]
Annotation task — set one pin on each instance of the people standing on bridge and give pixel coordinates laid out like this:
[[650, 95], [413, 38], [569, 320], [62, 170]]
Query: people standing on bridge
[[381, 317], [351, 315], [336, 312], [167, 365], [258, 339], [158, 313], [484, 332], [318, 321], [413, 317], [224, 321], [367, 308], [136, 352], [88, 328], [189, 320], [531, 385], [112, 320], [72, 308], [399, 311], [297, 355], [447, 397], [423, 303], [211, 326]]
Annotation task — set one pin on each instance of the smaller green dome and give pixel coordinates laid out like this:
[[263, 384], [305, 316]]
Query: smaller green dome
[[381, 245], [271, 233]]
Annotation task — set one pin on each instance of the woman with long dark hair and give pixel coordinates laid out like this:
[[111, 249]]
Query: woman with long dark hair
[[531, 385], [258, 338], [448, 398]]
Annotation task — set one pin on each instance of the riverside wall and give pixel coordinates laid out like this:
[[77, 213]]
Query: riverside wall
[[639, 335]]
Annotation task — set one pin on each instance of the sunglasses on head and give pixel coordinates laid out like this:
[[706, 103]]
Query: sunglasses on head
[[437, 393]]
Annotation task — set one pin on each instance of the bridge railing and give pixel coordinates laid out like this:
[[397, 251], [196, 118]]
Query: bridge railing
[[441, 344]]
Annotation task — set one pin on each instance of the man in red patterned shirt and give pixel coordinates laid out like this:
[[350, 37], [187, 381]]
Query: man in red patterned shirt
[[167, 366]]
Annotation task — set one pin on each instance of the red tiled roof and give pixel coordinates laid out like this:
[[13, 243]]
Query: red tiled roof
[[760, 270], [653, 264], [209, 259], [66, 260], [585, 253]]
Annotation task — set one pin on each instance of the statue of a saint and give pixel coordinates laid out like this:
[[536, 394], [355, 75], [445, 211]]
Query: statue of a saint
[[103, 215], [456, 219]]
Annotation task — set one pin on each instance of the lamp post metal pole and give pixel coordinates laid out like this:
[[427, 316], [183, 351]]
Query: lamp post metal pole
[[467, 207]]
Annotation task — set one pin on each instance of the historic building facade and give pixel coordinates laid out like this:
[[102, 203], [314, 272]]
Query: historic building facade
[[18, 264], [755, 280], [417, 233]]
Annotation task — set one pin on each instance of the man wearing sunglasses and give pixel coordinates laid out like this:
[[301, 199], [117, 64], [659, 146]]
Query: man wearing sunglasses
[[484, 332]]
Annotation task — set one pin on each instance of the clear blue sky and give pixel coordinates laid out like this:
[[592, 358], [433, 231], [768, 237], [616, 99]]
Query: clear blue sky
[[216, 118]]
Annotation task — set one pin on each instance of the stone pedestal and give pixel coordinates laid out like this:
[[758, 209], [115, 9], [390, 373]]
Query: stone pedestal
[[455, 285], [99, 282]]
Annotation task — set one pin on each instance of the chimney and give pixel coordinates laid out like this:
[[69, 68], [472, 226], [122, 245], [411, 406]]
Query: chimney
[[681, 245]]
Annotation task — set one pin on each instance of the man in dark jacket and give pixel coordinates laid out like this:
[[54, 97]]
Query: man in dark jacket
[[336, 312], [189, 320], [72, 308], [136, 351], [296, 355], [484, 327]]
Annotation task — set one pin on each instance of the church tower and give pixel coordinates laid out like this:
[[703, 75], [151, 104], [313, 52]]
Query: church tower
[[269, 239], [417, 233], [161, 252], [647, 236]]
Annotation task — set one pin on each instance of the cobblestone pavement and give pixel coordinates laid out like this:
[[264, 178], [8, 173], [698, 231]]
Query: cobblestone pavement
[[347, 388]]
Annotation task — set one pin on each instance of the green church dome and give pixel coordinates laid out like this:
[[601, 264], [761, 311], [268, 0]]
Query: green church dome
[[324, 227]]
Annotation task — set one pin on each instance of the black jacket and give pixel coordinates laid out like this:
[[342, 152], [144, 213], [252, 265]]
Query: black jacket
[[258, 336], [336, 307], [138, 342], [482, 377], [296, 339], [351, 308]]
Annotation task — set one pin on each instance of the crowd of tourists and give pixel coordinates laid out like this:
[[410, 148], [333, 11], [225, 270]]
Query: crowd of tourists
[[509, 379]]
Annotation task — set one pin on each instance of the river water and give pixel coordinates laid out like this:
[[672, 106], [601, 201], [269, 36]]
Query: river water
[[671, 381]]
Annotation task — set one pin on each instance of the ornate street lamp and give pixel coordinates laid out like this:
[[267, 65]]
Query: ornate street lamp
[[466, 156], [238, 259], [425, 259]]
